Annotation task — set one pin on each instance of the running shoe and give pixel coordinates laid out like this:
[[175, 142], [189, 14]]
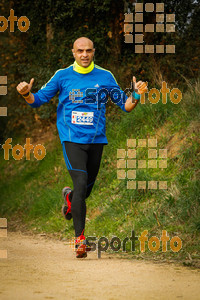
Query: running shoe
[[66, 208], [80, 247]]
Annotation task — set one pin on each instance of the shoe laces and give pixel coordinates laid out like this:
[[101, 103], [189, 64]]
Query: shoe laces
[[80, 239]]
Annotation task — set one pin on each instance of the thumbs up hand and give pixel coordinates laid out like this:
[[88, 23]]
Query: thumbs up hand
[[24, 87], [139, 87]]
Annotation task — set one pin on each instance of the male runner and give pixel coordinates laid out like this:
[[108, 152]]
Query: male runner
[[83, 88]]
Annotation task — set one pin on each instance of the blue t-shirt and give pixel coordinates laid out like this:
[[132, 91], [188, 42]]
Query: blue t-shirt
[[82, 103]]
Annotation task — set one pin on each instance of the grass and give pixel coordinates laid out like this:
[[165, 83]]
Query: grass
[[31, 190]]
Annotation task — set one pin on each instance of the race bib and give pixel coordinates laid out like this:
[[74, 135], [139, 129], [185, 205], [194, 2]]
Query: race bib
[[82, 118]]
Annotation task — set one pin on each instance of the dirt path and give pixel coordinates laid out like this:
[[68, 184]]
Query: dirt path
[[39, 268]]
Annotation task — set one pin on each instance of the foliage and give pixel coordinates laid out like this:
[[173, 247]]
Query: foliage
[[54, 25]]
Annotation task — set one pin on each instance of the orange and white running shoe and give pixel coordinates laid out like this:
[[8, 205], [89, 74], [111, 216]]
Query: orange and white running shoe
[[80, 247]]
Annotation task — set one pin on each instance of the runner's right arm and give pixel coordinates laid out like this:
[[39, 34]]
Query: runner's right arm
[[44, 95], [24, 88]]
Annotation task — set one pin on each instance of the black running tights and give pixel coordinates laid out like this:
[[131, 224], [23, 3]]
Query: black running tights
[[83, 162]]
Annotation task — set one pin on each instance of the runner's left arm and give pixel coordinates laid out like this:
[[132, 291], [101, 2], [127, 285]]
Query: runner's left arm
[[140, 87], [119, 97]]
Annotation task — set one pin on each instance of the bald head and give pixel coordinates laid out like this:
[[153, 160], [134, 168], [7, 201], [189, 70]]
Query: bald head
[[83, 51], [83, 41]]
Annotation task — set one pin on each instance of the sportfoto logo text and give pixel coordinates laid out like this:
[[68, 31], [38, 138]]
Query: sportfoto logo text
[[153, 243], [23, 23], [18, 151], [100, 96]]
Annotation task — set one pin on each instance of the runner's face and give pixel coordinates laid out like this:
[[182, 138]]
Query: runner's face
[[83, 52]]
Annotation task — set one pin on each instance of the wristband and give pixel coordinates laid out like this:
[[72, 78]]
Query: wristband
[[136, 96], [26, 95]]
